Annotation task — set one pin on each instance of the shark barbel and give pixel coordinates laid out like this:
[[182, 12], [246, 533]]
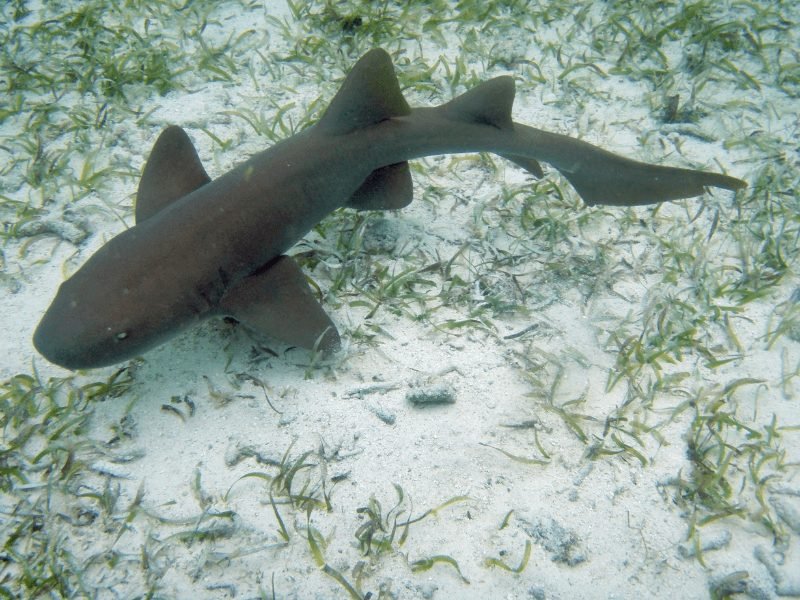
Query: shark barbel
[[203, 248]]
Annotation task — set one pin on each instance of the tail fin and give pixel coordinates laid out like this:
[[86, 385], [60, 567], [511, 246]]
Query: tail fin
[[601, 177], [370, 94]]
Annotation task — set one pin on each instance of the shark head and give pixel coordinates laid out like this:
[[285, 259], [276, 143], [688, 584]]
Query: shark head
[[89, 326], [108, 312], [69, 343]]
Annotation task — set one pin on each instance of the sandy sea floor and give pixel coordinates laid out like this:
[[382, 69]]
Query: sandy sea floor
[[615, 401]]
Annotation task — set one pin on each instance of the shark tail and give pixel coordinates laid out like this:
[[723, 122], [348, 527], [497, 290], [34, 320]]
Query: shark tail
[[601, 177], [598, 176]]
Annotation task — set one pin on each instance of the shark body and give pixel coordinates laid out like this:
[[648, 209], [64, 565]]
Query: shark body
[[203, 248]]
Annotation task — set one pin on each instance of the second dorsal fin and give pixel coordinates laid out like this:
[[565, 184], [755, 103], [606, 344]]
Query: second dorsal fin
[[488, 103], [369, 94], [172, 171]]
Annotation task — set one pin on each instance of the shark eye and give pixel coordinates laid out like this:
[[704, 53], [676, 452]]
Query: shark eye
[[122, 335]]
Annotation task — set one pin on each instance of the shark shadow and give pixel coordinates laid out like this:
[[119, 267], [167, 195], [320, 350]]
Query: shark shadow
[[203, 248]]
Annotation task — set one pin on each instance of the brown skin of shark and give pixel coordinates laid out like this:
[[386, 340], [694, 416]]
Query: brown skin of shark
[[207, 252]]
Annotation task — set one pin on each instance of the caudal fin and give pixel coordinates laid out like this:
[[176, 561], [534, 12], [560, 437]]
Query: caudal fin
[[601, 177]]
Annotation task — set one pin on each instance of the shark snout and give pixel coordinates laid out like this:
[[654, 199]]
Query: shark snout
[[71, 334], [50, 341], [60, 343]]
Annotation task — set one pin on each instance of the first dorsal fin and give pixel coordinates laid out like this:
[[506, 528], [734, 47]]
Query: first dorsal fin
[[369, 94], [488, 103], [172, 171]]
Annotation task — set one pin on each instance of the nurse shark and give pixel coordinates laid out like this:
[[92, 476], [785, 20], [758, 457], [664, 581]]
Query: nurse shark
[[203, 248]]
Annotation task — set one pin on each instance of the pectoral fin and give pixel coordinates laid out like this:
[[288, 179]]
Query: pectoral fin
[[387, 188], [277, 301]]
